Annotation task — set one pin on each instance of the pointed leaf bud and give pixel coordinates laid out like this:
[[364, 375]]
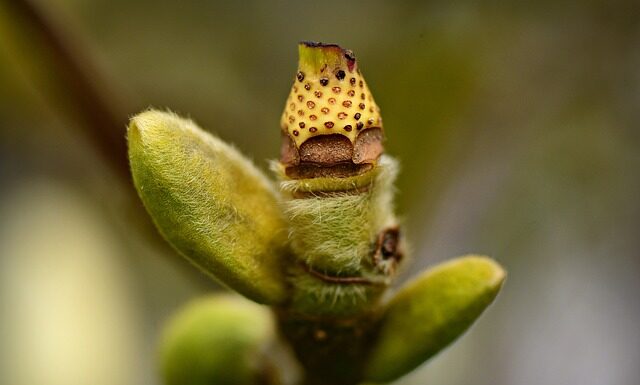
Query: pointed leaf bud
[[210, 203], [431, 312]]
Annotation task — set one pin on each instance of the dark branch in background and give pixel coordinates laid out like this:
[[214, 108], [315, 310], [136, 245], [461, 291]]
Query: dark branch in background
[[101, 116], [82, 95]]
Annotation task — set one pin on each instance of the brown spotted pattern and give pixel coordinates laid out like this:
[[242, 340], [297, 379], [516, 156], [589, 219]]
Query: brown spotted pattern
[[331, 101]]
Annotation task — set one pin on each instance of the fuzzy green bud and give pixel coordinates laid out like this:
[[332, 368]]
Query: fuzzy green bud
[[211, 203], [337, 187], [431, 312], [216, 340]]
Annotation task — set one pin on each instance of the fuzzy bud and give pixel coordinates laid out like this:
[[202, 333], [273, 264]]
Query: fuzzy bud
[[216, 340], [431, 312], [210, 203]]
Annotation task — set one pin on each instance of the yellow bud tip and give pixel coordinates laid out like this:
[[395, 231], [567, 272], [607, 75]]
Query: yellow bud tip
[[317, 59], [330, 117]]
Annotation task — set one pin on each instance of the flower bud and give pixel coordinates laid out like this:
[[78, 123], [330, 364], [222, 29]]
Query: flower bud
[[330, 125]]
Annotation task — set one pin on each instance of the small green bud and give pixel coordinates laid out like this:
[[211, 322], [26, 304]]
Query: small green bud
[[431, 312], [216, 340], [211, 203]]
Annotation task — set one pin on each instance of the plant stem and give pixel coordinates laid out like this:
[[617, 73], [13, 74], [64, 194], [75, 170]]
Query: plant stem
[[331, 351]]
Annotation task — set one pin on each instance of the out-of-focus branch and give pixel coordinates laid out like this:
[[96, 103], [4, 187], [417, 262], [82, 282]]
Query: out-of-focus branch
[[65, 75], [77, 86]]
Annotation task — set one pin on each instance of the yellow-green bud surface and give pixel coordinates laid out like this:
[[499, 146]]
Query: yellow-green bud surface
[[329, 96], [431, 312], [210, 203], [216, 340]]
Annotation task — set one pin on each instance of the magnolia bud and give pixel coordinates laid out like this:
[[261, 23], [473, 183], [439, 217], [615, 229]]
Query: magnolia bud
[[210, 203], [216, 340], [331, 126], [431, 312]]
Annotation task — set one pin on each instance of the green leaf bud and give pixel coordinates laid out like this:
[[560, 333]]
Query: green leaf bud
[[431, 312], [210, 202], [216, 340]]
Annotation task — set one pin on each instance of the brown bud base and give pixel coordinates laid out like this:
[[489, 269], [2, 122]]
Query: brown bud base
[[332, 155]]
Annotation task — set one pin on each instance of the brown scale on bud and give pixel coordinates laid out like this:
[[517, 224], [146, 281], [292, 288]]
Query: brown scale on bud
[[347, 149], [388, 252]]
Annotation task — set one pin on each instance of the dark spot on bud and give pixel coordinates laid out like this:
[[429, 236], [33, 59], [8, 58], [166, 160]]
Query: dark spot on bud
[[342, 115], [347, 128], [389, 243], [357, 116], [362, 96], [348, 54], [301, 124], [300, 76], [325, 110], [313, 117], [324, 81], [307, 86], [292, 119], [318, 94], [351, 93], [340, 75], [300, 112], [295, 133], [361, 105], [388, 252], [332, 101], [370, 122], [300, 98], [351, 59], [336, 90], [352, 81], [359, 125], [347, 103], [361, 83], [328, 124], [312, 129], [310, 104]]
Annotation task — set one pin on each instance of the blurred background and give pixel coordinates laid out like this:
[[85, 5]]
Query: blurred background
[[517, 126]]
